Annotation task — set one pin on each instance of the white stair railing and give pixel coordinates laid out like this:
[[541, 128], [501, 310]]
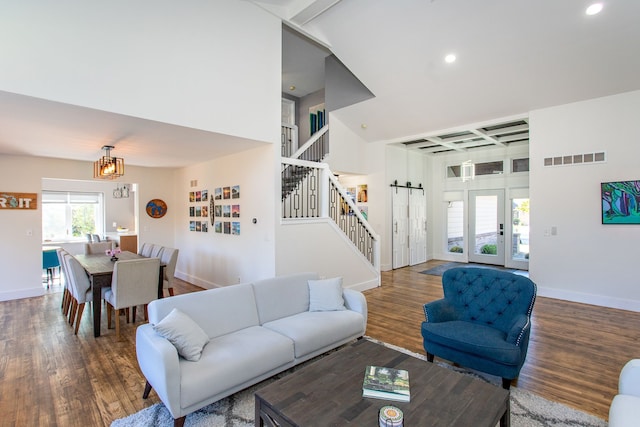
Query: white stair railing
[[318, 194]]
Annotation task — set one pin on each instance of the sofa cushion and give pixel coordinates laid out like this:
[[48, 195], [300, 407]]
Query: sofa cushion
[[326, 295], [218, 311], [480, 340], [624, 411], [233, 359], [271, 295], [314, 330], [185, 334]]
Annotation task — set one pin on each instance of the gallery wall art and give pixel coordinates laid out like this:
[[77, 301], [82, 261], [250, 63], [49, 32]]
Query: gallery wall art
[[225, 209], [199, 211]]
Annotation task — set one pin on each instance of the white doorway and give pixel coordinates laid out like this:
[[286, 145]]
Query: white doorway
[[409, 226], [417, 226], [486, 227], [400, 222]]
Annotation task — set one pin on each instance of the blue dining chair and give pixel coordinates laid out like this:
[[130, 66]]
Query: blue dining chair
[[49, 263]]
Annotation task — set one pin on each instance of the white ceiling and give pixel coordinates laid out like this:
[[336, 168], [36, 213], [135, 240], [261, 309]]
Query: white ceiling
[[513, 56]]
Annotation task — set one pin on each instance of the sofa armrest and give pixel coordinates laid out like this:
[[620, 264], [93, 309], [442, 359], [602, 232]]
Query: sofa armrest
[[159, 362], [630, 378], [519, 328], [439, 311], [355, 301]]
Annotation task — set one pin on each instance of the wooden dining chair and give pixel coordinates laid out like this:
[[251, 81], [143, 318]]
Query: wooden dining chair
[[66, 294], [99, 248], [169, 257], [134, 282], [80, 288], [145, 249]]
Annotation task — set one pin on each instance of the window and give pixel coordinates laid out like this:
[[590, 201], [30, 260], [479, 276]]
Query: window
[[483, 168], [520, 229], [520, 165], [455, 226], [71, 215]]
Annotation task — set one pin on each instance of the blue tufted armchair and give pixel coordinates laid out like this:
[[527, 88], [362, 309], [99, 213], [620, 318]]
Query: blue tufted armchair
[[483, 321]]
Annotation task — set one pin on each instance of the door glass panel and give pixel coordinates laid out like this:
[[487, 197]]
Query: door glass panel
[[455, 226], [486, 229], [520, 234]]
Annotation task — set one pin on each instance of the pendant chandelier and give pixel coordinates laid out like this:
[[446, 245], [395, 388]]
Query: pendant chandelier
[[108, 167]]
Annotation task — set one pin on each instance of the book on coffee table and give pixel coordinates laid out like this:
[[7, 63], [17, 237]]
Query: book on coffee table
[[386, 383]]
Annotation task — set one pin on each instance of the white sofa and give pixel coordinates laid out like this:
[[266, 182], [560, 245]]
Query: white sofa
[[255, 330], [625, 407]]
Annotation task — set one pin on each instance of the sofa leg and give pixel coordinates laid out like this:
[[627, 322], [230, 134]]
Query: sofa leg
[[147, 390], [430, 357], [179, 422], [506, 383]]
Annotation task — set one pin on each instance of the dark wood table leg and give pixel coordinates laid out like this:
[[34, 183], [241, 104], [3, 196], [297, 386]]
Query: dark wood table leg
[[161, 282], [505, 421], [97, 305], [97, 283]]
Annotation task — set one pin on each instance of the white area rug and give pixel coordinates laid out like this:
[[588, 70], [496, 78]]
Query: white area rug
[[527, 409]]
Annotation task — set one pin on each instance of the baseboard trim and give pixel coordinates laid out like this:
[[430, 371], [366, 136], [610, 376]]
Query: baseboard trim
[[598, 300], [25, 293]]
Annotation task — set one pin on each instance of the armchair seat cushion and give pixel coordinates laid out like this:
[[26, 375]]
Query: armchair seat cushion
[[477, 339], [624, 411]]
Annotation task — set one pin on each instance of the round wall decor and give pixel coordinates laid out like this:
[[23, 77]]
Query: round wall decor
[[156, 208]]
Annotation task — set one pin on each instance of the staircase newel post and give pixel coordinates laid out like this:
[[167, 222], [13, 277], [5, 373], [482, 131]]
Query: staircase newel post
[[324, 192]]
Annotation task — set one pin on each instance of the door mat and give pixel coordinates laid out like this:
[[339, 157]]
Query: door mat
[[439, 270]]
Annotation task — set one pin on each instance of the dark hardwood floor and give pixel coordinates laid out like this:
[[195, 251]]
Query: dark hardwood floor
[[50, 377]]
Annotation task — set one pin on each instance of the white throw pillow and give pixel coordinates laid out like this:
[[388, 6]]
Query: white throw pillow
[[185, 334], [326, 295]]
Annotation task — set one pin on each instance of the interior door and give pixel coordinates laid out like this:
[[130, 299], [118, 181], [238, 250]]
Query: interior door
[[417, 226], [400, 231], [486, 227]]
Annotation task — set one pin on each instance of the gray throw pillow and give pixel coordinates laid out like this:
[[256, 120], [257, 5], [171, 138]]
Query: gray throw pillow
[[326, 295], [185, 334]]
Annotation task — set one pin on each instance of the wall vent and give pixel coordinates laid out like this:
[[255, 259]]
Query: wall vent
[[576, 159]]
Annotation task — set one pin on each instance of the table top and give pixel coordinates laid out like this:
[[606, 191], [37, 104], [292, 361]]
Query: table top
[[101, 264], [329, 392]]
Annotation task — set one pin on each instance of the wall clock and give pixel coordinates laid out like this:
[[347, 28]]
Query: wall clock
[[156, 208]]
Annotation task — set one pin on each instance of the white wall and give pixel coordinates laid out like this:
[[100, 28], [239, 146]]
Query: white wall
[[586, 261], [205, 64], [302, 246], [213, 259], [21, 255]]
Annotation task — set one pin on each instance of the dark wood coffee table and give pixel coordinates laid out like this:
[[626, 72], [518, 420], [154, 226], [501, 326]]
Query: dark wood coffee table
[[329, 393]]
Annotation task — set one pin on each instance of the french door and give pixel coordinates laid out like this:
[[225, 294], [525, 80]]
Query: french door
[[486, 227]]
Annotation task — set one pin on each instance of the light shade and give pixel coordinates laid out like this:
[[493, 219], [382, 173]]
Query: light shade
[[108, 167]]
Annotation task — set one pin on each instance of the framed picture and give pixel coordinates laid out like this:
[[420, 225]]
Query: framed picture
[[235, 211], [235, 192], [226, 193], [362, 194], [620, 202], [218, 193]]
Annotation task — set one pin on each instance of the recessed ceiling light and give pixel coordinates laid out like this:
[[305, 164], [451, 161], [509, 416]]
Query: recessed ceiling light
[[363, 126], [594, 9], [292, 87], [450, 58]]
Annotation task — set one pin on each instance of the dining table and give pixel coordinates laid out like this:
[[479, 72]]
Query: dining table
[[99, 268]]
